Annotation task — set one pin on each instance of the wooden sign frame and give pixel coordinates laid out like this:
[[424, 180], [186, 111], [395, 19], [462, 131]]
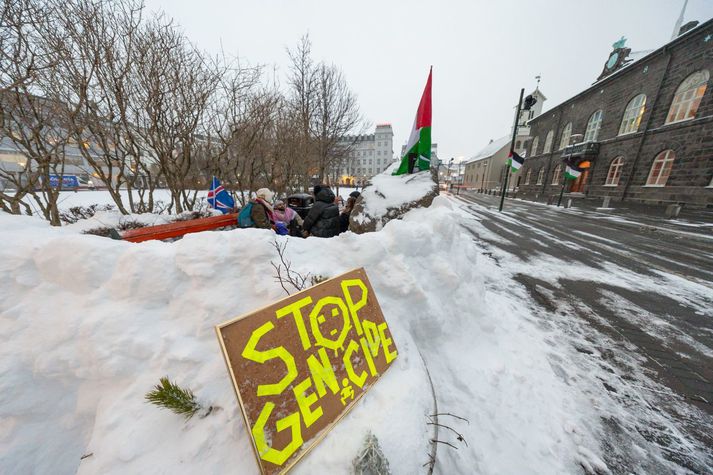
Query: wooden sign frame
[[308, 445]]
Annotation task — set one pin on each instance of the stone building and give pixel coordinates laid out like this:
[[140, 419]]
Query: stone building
[[643, 132]]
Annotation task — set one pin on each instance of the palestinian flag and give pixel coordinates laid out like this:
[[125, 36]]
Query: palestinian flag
[[572, 172], [515, 161], [419, 142]]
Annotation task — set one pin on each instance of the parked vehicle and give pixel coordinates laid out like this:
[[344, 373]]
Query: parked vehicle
[[301, 202]]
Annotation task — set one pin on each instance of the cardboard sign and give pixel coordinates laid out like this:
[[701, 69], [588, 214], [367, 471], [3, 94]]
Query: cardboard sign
[[300, 364]]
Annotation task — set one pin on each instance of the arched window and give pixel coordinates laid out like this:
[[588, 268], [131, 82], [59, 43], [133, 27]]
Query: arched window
[[533, 149], [661, 168], [593, 125], [548, 142], [614, 172], [632, 115], [527, 177], [566, 134], [688, 97], [556, 174], [541, 176]]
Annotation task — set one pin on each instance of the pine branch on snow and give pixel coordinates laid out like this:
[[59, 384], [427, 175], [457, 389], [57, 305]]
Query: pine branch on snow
[[371, 460], [171, 396]]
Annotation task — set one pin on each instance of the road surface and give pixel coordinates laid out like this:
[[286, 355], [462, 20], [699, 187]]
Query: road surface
[[639, 294]]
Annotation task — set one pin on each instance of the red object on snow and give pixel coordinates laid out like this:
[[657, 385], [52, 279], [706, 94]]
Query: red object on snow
[[179, 228]]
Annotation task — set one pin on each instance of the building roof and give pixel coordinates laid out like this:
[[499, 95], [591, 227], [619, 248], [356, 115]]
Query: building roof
[[635, 57], [491, 149]]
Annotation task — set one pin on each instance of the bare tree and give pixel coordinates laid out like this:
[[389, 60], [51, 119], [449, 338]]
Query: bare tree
[[325, 109], [337, 116], [302, 97], [174, 84]]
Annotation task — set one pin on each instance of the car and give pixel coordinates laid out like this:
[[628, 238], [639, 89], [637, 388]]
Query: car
[[301, 203], [86, 185]]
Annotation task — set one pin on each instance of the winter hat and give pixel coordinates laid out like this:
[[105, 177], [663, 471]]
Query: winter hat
[[264, 193], [279, 203], [355, 194], [316, 189]]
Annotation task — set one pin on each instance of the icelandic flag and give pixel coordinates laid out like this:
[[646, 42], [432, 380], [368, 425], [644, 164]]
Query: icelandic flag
[[219, 198]]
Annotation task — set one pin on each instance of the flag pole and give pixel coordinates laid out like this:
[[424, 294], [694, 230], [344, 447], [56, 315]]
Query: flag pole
[[564, 183], [512, 148]]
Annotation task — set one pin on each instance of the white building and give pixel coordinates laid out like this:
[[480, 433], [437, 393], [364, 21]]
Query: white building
[[370, 154]]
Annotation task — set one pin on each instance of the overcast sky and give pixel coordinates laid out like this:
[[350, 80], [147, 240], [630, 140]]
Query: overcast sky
[[482, 52]]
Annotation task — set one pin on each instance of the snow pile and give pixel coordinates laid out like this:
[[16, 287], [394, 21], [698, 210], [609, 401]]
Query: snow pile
[[89, 325], [389, 197]]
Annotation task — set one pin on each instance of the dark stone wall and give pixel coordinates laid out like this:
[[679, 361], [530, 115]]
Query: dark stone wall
[[658, 76]]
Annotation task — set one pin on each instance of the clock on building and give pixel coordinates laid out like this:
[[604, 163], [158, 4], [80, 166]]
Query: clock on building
[[617, 58]]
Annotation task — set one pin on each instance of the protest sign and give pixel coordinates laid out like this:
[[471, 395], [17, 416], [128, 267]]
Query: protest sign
[[301, 364]]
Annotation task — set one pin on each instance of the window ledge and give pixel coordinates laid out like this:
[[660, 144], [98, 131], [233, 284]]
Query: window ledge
[[612, 185], [678, 121], [627, 133], [653, 186]]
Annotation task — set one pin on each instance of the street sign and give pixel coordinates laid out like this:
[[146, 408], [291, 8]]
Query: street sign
[[301, 364], [68, 181]]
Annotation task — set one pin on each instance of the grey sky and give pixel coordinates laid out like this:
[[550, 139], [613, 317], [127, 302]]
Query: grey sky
[[482, 52]]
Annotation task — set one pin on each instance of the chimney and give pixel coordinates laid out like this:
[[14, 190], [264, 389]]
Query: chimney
[[687, 27]]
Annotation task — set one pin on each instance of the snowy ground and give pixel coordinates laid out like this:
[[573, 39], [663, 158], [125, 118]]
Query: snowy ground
[[635, 305], [68, 199], [89, 325]]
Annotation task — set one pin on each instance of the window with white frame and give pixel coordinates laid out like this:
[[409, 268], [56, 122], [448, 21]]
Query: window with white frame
[[556, 175], [527, 176], [688, 97], [632, 115], [593, 125], [541, 176], [566, 134], [661, 168], [614, 172], [533, 149], [548, 142]]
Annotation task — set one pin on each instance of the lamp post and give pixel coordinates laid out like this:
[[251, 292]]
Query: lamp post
[[460, 179], [450, 175], [529, 102]]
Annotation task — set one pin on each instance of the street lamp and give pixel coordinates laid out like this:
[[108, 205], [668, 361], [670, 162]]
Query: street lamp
[[450, 175], [527, 105]]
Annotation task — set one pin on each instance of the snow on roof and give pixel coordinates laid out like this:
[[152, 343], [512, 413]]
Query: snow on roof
[[491, 149]]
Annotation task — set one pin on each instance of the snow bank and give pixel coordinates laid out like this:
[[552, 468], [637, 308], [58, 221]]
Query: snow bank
[[89, 325], [389, 197]]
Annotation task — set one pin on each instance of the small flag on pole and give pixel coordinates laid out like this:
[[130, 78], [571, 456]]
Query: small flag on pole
[[219, 198], [515, 161], [572, 172]]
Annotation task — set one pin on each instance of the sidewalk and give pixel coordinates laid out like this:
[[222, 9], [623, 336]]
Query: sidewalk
[[695, 221]]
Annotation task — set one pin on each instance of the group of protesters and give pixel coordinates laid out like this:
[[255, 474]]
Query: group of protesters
[[324, 218]]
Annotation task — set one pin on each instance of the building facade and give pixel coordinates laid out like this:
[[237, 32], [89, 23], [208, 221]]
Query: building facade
[[642, 133], [485, 171], [368, 155]]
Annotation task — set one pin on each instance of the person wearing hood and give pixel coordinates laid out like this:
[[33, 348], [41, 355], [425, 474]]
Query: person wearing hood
[[323, 218], [261, 212]]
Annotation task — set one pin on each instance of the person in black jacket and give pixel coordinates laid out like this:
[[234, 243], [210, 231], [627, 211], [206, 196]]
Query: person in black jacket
[[323, 218]]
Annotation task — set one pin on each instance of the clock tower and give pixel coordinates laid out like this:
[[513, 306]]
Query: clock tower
[[617, 58]]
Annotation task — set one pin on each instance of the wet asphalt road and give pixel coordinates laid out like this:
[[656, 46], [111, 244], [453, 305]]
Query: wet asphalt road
[[671, 338]]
